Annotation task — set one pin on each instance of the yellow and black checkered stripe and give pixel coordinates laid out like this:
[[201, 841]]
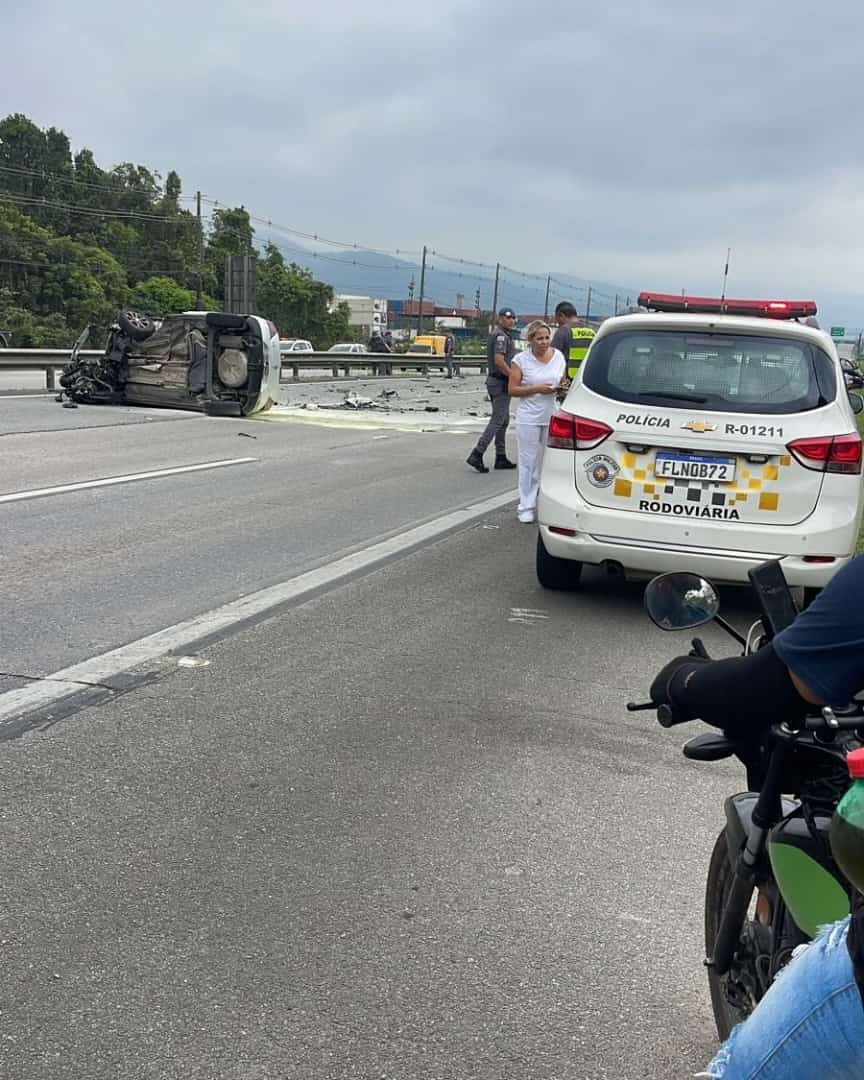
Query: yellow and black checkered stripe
[[637, 479]]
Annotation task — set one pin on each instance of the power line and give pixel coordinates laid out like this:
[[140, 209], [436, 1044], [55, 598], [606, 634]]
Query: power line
[[462, 262], [64, 263], [137, 215], [114, 189], [346, 244], [305, 253]]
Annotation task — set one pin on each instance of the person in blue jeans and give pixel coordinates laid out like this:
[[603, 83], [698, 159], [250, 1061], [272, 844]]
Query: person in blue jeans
[[810, 1024]]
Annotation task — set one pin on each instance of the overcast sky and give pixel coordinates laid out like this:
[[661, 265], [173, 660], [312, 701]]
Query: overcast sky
[[630, 142]]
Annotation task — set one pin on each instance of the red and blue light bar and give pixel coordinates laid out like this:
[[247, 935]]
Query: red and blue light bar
[[709, 305]]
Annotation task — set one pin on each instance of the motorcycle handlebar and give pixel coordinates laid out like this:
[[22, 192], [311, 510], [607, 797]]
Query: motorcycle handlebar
[[836, 723], [666, 715]]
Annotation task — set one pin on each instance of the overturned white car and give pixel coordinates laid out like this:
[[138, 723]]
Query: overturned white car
[[212, 361]]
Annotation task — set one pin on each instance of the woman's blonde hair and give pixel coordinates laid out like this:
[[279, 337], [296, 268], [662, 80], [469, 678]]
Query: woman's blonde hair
[[534, 328]]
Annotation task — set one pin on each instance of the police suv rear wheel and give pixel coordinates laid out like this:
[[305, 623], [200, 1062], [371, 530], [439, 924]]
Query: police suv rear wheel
[[554, 573]]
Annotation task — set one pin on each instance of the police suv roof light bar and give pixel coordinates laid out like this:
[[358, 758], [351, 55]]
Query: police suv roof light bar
[[707, 305]]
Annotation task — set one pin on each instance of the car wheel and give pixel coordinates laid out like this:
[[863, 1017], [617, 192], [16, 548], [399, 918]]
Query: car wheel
[[222, 408], [138, 327], [554, 573]]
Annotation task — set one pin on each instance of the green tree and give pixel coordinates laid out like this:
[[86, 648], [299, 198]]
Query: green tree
[[158, 296], [49, 275], [29, 331]]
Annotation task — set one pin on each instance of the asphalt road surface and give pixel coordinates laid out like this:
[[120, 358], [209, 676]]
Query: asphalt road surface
[[400, 828]]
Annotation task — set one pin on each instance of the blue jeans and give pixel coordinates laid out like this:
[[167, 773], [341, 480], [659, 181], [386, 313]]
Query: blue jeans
[[810, 1024]]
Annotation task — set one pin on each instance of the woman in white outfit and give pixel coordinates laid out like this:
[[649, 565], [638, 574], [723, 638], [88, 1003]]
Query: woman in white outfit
[[536, 376]]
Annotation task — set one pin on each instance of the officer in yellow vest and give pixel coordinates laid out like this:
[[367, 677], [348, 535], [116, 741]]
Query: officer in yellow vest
[[569, 339], [580, 339]]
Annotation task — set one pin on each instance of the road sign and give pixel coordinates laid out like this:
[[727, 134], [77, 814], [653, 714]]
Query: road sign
[[240, 284], [838, 331]]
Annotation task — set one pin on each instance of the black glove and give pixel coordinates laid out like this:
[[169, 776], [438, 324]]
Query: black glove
[[741, 694], [670, 681]]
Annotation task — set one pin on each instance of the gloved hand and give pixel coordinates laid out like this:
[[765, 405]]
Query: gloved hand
[[668, 685]]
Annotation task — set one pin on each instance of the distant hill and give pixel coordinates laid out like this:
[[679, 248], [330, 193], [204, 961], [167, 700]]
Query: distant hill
[[366, 273]]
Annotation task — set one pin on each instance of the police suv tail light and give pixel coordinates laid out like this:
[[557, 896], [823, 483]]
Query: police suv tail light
[[829, 453], [569, 432]]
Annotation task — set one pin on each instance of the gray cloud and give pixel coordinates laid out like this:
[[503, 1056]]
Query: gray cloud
[[627, 143]]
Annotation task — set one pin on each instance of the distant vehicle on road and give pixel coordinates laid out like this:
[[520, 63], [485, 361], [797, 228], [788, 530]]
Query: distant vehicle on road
[[703, 435], [348, 347], [295, 345], [428, 344], [220, 364]]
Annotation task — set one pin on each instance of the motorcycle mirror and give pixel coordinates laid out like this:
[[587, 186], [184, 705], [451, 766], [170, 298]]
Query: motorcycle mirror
[[857, 403], [681, 601]]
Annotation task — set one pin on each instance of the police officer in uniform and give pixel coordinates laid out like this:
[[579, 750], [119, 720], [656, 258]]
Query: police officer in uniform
[[570, 339], [499, 352]]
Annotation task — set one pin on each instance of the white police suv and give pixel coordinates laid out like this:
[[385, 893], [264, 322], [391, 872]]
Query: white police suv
[[705, 435]]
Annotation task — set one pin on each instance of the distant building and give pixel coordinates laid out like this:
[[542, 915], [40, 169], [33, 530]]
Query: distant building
[[368, 313]]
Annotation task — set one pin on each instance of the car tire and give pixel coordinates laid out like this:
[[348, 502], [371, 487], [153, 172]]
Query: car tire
[[135, 326], [222, 408], [554, 573]]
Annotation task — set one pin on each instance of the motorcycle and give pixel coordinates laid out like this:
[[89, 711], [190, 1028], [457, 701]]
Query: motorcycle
[[772, 881]]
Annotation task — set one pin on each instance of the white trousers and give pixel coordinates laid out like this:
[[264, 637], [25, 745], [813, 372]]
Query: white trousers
[[530, 440]]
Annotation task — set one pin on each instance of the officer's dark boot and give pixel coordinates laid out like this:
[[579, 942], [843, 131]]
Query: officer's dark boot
[[502, 462], [475, 460]]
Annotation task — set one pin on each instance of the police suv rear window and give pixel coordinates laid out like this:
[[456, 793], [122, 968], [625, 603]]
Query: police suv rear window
[[720, 372]]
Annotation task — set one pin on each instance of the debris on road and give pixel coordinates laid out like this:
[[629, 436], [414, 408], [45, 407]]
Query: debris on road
[[357, 401]]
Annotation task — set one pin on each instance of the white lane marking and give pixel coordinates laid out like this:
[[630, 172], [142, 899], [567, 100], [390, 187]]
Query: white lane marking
[[62, 489], [526, 615], [98, 669]]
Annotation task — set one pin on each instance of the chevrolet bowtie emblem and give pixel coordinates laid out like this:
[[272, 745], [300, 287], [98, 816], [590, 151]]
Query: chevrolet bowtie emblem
[[699, 426]]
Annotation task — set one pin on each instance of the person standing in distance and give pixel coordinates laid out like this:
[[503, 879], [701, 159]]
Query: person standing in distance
[[499, 353], [449, 352], [536, 376]]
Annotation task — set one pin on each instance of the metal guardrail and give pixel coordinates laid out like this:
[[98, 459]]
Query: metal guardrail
[[49, 360]]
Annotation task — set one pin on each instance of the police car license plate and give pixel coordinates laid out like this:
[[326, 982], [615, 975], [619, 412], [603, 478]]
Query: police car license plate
[[695, 467]]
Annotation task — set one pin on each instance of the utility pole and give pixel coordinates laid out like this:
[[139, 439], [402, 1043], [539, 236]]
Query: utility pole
[[616, 303], [588, 305], [199, 289], [422, 290], [495, 293], [546, 305]]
